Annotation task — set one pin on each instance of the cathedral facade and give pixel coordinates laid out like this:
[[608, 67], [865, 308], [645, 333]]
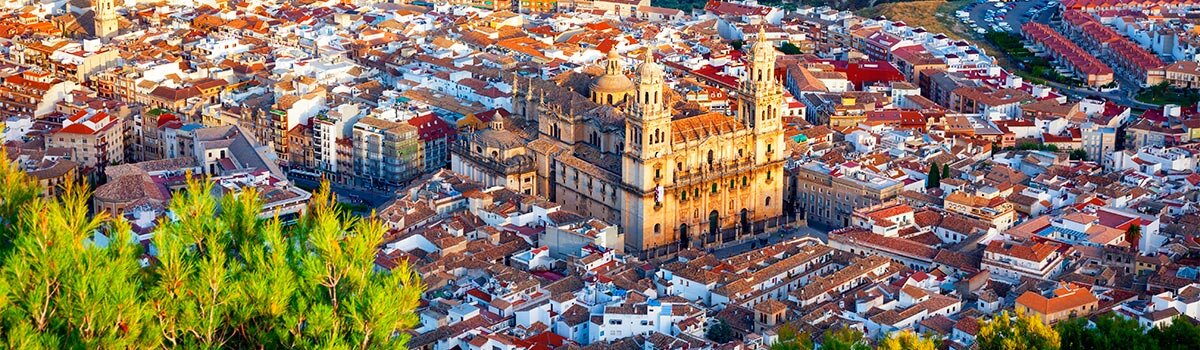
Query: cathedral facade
[[620, 153]]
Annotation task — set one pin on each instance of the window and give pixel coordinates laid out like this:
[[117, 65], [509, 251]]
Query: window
[[714, 188], [768, 201], [657, 228]]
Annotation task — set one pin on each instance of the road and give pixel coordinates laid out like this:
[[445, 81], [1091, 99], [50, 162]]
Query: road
[[1122, 97], [803, 231], [371, 198]]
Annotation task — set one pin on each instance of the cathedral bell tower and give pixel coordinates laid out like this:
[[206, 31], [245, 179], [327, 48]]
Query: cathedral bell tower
[[106, 18], [762, 93], [648, 129], [761, 100]]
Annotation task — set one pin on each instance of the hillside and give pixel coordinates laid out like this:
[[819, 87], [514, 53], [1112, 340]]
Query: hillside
[[922, 14]]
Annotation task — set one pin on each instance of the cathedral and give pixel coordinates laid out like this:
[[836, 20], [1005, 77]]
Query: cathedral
[[90, 19], [619, 152]]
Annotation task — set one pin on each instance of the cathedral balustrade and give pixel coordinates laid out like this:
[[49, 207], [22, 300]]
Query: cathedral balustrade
[[714, 172]]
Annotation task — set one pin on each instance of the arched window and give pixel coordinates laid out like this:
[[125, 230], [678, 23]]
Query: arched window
[[768, 201], [657, 228], [710, 158], [610, 101]]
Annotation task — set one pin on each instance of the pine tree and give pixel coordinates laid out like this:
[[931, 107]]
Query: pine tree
[[220, 277], [934, 180]]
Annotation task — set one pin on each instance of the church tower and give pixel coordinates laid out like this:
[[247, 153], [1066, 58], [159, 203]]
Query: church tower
[[648, 129], [106, 18], [762, 95], [761, 101], [646, 167]]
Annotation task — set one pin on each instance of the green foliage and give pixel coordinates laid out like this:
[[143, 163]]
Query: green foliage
[[1133, 235], [844, 339], [789, 49], [1034, 146], [737, 44], [1113, 332], [907, 340], [1079, 154], [219, 279], [720, 332], [1180, 335], [791, 339], [934, 180], [946, 171], [1163, 93], [1016, 332]]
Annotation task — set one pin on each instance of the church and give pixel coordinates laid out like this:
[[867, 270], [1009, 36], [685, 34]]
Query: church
[[90, 19], [615, 149]]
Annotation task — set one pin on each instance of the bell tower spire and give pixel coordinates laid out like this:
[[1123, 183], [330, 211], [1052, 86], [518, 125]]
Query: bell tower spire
[[105, 21]]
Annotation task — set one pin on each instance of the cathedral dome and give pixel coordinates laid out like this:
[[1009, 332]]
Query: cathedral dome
[[612, 87], [612, 83]]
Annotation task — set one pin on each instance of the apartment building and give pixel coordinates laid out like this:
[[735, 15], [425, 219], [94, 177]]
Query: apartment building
[[385, 153], [989, 207], [1067, 301], [96, 138], [1009, 261], [828, 196]]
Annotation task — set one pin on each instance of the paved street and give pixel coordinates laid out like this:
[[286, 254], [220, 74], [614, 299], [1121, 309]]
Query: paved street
[[371, 198], [800, 232]]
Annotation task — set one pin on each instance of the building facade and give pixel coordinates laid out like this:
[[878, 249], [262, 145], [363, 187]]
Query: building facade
[[704, 180]]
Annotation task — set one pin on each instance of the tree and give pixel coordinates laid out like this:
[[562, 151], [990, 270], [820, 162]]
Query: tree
[[1014, 332], [720, 332], [791, 339], [1075, 334], [1078, 154], [219, 278], [934, 180], [789, 48], [1118, 332], [906, 340], [945, 172], [844, 339], [1133, 235], [737, 44], [1180, 335]]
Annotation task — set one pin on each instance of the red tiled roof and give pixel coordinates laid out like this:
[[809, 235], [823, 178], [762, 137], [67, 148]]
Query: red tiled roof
[[430, 127]]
